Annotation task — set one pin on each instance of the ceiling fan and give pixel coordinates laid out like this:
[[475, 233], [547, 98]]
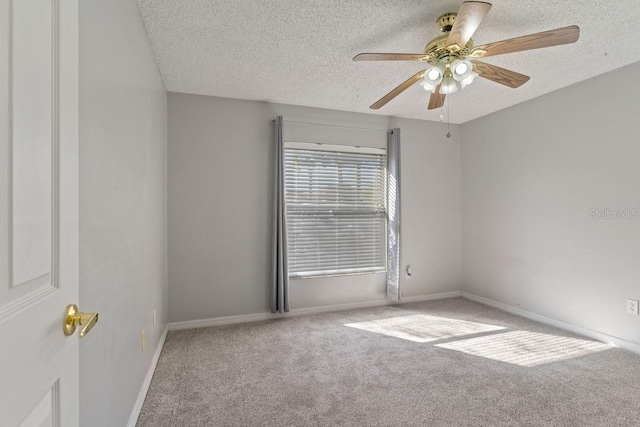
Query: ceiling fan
[[454, 57]]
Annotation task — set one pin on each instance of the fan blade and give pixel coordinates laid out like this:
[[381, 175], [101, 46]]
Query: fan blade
[[500, 75], [436, 100], [398, 90], [467, 21], [390, 57], [549, 38]]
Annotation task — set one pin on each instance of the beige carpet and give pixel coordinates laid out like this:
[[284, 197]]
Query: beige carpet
[[440, 363]]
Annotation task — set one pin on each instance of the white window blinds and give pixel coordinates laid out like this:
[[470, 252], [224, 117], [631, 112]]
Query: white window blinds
[[335, 207]]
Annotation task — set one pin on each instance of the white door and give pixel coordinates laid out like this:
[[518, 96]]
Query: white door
[[38, 211]]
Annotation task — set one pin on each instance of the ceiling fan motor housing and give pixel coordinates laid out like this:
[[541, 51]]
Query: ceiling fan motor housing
[[445, 22], [437, 52]]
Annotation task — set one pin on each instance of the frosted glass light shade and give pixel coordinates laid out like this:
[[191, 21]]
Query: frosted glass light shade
[[433, 77], [448, 86], [428, 87], [468, 80], [433, 74], [461, 70]]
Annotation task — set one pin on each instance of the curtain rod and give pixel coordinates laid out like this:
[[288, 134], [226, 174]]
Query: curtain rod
[[333, 126]]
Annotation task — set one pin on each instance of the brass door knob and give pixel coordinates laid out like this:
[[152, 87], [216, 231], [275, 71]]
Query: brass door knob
[[73, 318]]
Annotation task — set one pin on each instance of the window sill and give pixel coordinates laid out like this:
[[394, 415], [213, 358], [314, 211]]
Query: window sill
[[319, 275]]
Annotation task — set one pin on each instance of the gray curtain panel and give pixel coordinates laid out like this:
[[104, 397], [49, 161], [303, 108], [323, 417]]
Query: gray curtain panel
[[393, 232], [279, 267]]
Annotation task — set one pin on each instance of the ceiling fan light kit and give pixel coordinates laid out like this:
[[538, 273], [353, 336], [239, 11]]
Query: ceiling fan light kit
[[454, 59]]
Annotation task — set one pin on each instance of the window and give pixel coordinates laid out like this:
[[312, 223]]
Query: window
[[336, 209]]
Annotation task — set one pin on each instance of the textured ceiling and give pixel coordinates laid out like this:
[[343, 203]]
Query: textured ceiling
[[300, 52]]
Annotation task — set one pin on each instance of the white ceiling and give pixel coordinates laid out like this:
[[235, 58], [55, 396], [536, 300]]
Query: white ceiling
[[300, 52]]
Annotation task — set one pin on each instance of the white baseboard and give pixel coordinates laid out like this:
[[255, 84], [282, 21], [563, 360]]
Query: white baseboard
[[243, 318], [589, 333], [419, 298], [135, 413]]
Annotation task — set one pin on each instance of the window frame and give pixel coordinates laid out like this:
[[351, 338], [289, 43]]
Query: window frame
[[315, 146]]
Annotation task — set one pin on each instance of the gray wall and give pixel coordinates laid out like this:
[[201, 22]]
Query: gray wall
[[532, 176], [220, 207], [122, 208]]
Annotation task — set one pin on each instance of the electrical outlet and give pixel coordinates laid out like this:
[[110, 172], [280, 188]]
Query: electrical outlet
[[632, 306], [154, 319], [143, 339]]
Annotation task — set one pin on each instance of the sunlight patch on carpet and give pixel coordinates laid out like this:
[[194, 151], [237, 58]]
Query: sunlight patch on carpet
[[525, 348], [422, 328]]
